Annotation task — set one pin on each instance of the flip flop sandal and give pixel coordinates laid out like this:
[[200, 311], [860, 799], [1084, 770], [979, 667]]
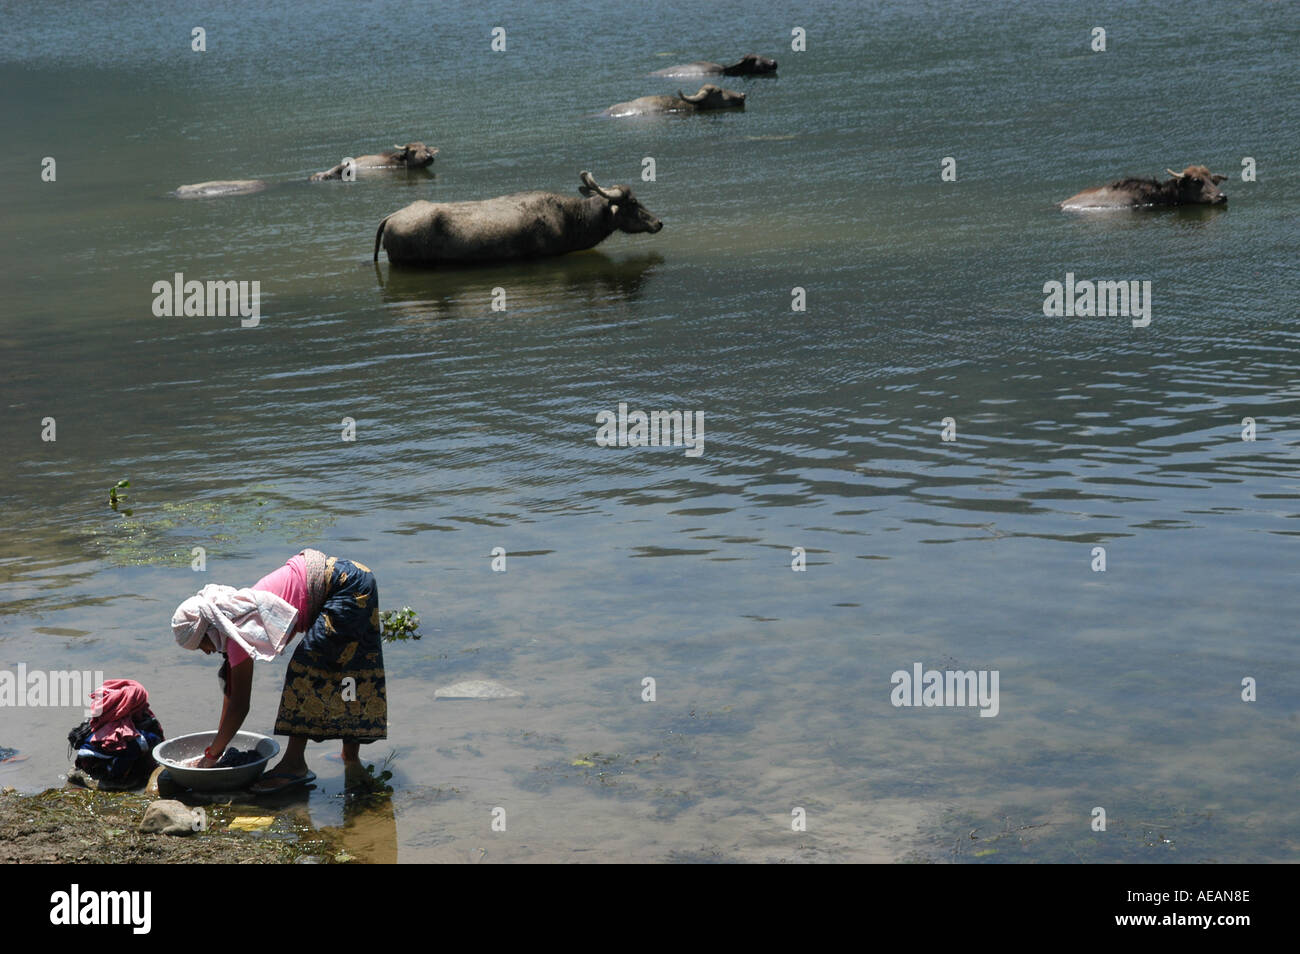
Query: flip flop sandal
[[293, 780]]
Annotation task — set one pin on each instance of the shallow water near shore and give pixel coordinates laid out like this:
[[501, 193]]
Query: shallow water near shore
[[475, 429]]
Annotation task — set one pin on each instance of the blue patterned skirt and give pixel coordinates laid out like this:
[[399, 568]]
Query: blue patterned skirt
[[334, 688]]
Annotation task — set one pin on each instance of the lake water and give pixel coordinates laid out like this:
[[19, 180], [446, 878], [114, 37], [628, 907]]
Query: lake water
[[476, 428]]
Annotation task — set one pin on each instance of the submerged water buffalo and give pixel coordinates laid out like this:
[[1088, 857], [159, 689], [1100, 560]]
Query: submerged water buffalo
[[1195, 185], [414, 155], [751, 64], [522, 225], [219, 187], [708, 97]]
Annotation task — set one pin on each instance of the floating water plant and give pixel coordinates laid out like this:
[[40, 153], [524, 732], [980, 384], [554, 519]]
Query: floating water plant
[[400, 624], [114, 498]]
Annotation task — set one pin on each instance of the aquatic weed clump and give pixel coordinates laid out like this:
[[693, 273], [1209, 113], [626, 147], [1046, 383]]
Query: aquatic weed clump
[[115, 498], [398, 625], [368, 786]]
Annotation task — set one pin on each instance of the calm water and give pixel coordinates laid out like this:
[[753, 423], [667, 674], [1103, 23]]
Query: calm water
[[475, 429]]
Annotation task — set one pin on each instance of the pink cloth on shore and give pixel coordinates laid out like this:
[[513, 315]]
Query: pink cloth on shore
[[113, 704]]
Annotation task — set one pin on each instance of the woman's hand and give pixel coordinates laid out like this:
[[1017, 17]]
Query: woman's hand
[[207, 762]]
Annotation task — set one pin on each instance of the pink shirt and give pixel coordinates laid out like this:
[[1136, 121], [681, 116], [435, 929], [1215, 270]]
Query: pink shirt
[[290, 584]]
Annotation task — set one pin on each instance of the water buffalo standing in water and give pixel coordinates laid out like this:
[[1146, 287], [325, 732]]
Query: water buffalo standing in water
[[708, 97], [414, 155], [219, 187], [1195, 185], [522, 225], [751, 64]]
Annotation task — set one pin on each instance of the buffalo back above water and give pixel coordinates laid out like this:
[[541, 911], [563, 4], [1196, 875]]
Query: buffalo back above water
[[518, 226], [1195, 185]]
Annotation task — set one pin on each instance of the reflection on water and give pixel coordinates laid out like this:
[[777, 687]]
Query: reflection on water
[[367, 831], [1180, 217], [571, 283]]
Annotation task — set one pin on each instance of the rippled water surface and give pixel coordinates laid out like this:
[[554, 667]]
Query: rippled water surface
[[475, 428]]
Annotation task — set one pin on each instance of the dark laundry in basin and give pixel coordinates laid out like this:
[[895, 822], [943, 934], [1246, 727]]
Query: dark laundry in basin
[[233, 758]]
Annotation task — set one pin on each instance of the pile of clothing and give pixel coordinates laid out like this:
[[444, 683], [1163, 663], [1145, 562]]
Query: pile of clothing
[[117, 743]]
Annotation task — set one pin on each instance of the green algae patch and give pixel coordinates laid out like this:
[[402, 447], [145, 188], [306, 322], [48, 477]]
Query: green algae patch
[[166, 534]]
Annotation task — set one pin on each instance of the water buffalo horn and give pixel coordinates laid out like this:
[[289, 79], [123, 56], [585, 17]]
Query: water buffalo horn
[[691, 99], [590, 183], [613, 195], [1176, 175]]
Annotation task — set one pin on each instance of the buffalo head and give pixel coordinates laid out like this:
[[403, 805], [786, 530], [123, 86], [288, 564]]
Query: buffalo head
[[714, 97], [751, 64], [629, 214], [414, 155], [1197, 186]]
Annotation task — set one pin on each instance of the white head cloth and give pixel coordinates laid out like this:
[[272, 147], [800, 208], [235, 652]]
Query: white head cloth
[[259, 622]]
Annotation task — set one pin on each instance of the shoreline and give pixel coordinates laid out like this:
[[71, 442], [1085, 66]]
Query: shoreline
[[74, 825]]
